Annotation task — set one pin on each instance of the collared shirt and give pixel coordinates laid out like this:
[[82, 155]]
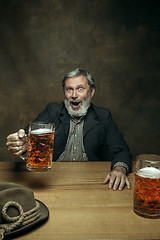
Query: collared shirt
[[74, 150]]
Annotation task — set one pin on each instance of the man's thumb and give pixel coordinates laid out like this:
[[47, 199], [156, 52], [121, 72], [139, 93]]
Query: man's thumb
[[21, 133]]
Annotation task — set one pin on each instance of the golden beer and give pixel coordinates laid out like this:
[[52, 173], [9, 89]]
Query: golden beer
[[40, 149], [147, 192]]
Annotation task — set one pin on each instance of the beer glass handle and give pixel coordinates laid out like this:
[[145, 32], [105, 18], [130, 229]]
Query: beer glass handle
[[23, 156]]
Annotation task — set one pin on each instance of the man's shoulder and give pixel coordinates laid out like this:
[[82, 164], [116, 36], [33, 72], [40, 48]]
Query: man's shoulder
[[102, 113], [54, 109]]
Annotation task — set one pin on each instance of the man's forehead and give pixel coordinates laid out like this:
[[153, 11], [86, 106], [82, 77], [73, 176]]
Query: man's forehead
[[77, 80]]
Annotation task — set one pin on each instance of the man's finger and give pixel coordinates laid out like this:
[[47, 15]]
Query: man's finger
[[112, 181], [122, 183], [107, 179], [128, 183], [14, 149], [15, 144], [13, 137], [116, 183]]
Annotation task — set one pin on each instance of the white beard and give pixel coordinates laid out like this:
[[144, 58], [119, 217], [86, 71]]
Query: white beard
[[82, 111]]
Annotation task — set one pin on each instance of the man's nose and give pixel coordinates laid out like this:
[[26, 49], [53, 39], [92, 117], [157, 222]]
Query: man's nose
[[74, 94]]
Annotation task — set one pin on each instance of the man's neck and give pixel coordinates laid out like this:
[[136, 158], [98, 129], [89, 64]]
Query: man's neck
[[76, 118]]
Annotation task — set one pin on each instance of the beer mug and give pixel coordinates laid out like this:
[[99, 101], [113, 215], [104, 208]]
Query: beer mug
[[40, 146], [147, 186]]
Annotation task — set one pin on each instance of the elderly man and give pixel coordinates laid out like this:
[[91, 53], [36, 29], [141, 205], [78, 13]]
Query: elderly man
[[81, 130]]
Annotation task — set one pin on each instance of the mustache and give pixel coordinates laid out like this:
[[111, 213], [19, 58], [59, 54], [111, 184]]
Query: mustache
[[75, 100]]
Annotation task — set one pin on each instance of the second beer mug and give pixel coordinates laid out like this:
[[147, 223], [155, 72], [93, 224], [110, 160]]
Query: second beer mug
[[147, 187], [40, 146]]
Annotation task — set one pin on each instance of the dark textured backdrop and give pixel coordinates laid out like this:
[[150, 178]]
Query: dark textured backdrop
[[118, 41]]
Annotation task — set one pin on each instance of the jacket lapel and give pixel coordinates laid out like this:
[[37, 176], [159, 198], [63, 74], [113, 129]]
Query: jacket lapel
[[90, 121], [65, 119]]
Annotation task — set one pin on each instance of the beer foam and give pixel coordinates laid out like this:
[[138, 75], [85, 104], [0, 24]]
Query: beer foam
[[149, 172], [41, 131]]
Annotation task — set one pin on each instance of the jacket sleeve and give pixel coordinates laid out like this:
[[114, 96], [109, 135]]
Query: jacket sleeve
[[48, 115], [116, 144]]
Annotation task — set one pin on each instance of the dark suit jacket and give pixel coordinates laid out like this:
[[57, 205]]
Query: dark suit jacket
[[99, 130]]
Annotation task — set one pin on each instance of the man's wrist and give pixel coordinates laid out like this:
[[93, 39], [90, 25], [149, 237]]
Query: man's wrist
[[121, 164]]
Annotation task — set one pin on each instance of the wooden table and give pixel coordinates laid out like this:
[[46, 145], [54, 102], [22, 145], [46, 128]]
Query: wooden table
[[80, 206]]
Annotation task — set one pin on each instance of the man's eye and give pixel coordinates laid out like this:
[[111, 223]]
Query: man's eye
[[80, 89], [69, 89]]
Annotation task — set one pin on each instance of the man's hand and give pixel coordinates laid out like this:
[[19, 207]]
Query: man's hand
[[17, 143], [117, 179]]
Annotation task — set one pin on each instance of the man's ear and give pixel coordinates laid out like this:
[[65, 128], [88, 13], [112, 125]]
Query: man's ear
[[92, 92]]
